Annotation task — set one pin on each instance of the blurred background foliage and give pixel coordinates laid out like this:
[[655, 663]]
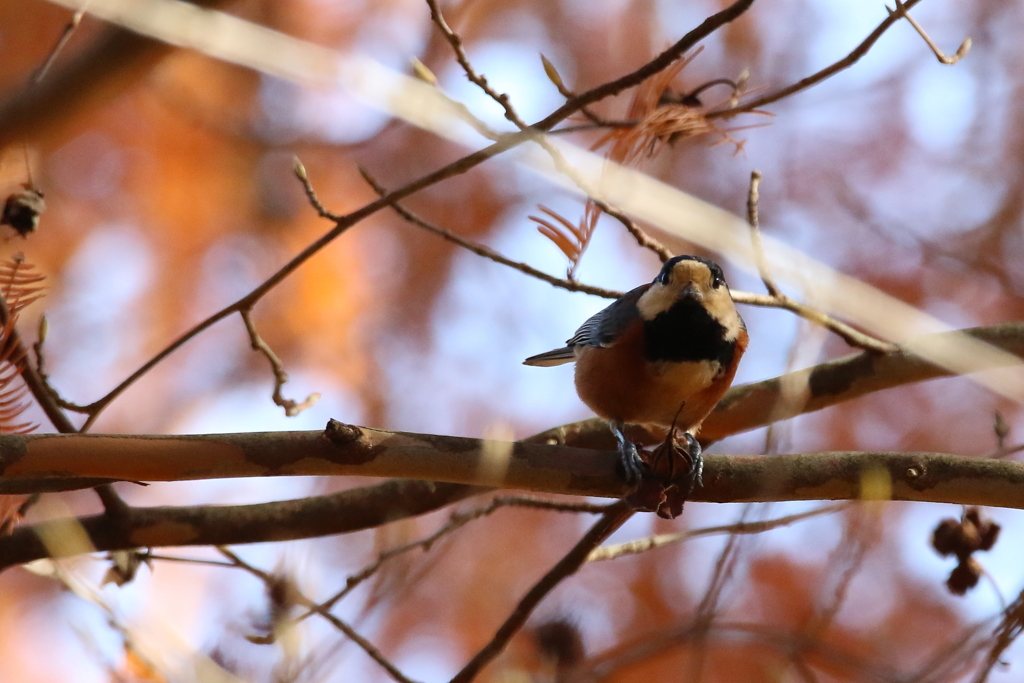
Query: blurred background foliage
[[170, 194]]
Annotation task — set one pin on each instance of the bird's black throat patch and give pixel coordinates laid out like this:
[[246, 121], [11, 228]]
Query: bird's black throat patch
[[686, 332]]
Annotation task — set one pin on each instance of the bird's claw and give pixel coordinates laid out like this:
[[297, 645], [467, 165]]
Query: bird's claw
[[693, 450], [633, 465]]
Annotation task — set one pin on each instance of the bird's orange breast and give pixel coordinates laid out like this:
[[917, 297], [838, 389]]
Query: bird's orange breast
[[618, 383]]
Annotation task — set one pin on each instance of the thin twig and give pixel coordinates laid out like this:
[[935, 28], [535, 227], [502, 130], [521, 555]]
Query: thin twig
[[615, 515], [188, 560], [846, 561], [1006, 452], [753, 196], [641, 236], [597, 120], [62, 40], [300, 172], [952, 658], [850, 335], [367, 647], [477, 79], [455, 522], [781, 300], [44, 377], [586, 127], [987, 575], [961, 52], [612, 552], [291, 408], [706, 611], [846, 62], [487, 252], [656, 65], [1011, 626]]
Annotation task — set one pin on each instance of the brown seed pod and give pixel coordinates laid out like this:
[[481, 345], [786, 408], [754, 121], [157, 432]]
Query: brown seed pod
[[22, 210]]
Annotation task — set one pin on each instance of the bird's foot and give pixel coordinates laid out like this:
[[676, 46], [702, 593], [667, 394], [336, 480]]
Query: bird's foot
[[695, 477], [633, 465]]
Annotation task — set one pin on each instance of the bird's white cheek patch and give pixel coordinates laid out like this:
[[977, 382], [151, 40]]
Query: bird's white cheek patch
[[655, 300]]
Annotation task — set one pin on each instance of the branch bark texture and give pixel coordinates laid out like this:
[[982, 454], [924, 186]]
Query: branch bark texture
[[562, 460]]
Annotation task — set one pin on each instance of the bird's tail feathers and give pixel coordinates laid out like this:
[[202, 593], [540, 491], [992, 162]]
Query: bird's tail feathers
[[556, 357]]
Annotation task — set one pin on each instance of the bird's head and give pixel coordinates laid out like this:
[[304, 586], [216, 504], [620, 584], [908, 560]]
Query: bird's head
[[687, 280]]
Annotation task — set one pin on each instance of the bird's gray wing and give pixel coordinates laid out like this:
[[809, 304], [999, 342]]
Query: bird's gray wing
[[600, 329], [605, 326]]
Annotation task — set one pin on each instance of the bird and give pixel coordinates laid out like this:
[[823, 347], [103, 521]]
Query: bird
[[662, 355]]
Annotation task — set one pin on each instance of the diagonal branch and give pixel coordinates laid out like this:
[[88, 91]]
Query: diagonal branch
[[487, 252], [846, 62], [456, 522], [656, 65], [961, 52], [369, 648], [476, 79], [780, 300], [615, 516], [755, 405]]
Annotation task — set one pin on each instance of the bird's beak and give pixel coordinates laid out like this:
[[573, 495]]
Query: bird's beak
[[689, 292]]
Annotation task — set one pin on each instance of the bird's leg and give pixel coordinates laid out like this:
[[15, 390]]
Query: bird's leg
[[696, 475], [631, 460]]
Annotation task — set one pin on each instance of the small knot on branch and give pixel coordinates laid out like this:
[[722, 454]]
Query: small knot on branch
[[340, 433]]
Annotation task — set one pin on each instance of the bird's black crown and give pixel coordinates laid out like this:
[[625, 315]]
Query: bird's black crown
[[717, 277]]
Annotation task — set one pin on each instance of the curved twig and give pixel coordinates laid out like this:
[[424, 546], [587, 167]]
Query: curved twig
[[831, 70]]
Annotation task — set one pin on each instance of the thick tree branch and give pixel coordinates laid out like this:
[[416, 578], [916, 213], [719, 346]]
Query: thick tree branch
[[759, 404], [552, 461], [929, 477], [311, 517]]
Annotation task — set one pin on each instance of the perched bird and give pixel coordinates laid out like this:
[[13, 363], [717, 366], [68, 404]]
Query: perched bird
[[661, 354]]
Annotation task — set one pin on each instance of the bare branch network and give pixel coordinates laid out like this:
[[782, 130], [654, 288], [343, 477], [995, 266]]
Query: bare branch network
[[561, 461], [429, 472]]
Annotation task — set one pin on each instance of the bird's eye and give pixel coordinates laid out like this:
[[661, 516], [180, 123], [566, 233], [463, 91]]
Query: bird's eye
[[717, 281], [665, 276]]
